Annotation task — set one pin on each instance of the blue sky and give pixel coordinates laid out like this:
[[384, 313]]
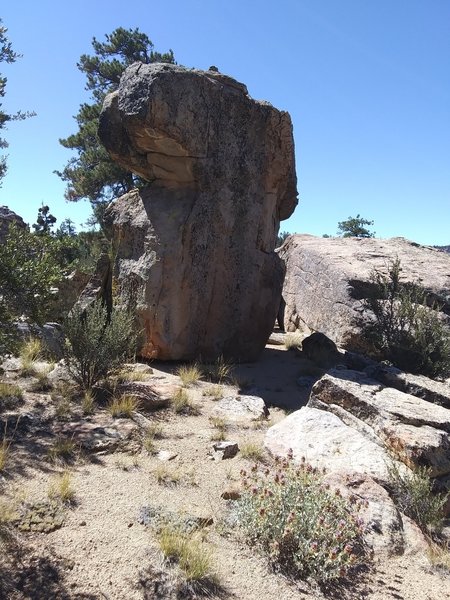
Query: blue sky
[[366, 83]]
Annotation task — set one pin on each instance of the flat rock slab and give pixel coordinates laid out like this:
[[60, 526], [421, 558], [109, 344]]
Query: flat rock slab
[[101, 434], [416, 431], [326, 442], [242, 408]]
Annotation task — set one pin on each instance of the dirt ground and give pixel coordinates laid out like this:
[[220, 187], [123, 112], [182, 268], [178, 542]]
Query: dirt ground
[[105, 551]]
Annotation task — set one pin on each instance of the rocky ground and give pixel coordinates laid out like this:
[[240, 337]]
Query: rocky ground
[[103, 545]]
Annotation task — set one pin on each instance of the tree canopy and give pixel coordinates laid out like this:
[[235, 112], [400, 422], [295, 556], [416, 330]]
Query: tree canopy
[[355, 227], [91, 173]]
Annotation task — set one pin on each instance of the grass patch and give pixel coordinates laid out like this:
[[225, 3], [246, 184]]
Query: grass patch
[[4, 454], [252, 451], [10, 395], [124, 406], [221, 425], [63, 449], [152, 433], [182, 403], [219, 371], [88, 403], [42, 383], [307, 531], [439, 556], [190, 553], [189, 374], [166, 475], [61, 488], [215, 392], [413, 494], [130, 376], [31, 350]]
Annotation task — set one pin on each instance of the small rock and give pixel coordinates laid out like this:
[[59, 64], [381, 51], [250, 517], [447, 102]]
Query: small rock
[[226, 449], [82, 523], [166, 455], [231, 494]]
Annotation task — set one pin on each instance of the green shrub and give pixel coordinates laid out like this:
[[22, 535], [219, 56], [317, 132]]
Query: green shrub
[[407, 329], [307, 530], [97, 344], [413, 494]]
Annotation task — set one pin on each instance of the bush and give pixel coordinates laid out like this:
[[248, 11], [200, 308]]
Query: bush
[[413, 494], [407, 331], [306, 530], [97, 344]]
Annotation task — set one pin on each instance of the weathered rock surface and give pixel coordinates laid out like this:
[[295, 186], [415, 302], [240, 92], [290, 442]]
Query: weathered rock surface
[[8, 216], [327, 280], [414, 430], [195, 248], [242, 408]]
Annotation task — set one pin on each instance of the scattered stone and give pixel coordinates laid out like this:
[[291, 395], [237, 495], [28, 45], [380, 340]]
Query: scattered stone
[[277, 339], [166, 455], [224, 450], [231, 493], [223, 176]]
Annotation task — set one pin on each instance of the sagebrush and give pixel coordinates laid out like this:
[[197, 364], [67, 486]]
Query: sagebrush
[[98, 342], [408, 329], [307, 530]]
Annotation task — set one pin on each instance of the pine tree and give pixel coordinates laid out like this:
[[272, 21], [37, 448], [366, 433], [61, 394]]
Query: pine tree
[[91, 173]]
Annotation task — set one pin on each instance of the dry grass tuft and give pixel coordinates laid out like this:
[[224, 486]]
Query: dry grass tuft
[[124, 406], [88, 403], [252, 451], [63, 449], [215, 392], [189, 374], [31, 350], [61, 488], [182, 403], [166, 475]]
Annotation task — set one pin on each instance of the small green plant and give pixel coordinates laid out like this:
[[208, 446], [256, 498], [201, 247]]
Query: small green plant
[[61, 488], [124, 406], [189, 374], [88, 403], [152, 433], [10, 395], [63, 409], [215, 392], [407, 329], [31, 350], [293, 341], [412, 491], [307, 530], [219, 371], [98, 342], [182, 403], [191, 554], [42, 383], [63, 449], [252, 451]]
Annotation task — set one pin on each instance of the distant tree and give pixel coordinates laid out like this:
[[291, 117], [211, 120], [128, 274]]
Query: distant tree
[[355, 227], [67, 228], [91, 173], [7, 55], [44, 222], [282, 236]]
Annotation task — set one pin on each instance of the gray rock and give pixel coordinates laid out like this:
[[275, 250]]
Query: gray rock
[[196, 246], [242, 408], [327, 280], [416, 431], [225, 450]]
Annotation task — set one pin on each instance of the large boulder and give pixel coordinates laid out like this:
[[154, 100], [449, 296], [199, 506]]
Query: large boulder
[[328, 279], [194, 250], [7, 217]]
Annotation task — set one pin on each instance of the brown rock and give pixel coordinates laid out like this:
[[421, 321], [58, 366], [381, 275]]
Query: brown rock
[[196, 247]]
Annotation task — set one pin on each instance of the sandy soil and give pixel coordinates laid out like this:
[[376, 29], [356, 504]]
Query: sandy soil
[[104, 552]]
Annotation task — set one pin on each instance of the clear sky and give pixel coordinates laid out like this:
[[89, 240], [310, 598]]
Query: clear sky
[[367, 83]]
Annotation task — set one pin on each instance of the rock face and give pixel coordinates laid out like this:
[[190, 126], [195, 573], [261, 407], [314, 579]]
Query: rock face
[[327, 280], [7, 217], [357, 429], [196, 246]]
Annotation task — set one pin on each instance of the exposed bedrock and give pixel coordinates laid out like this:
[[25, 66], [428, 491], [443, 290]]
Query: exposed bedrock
[[195, 248]]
